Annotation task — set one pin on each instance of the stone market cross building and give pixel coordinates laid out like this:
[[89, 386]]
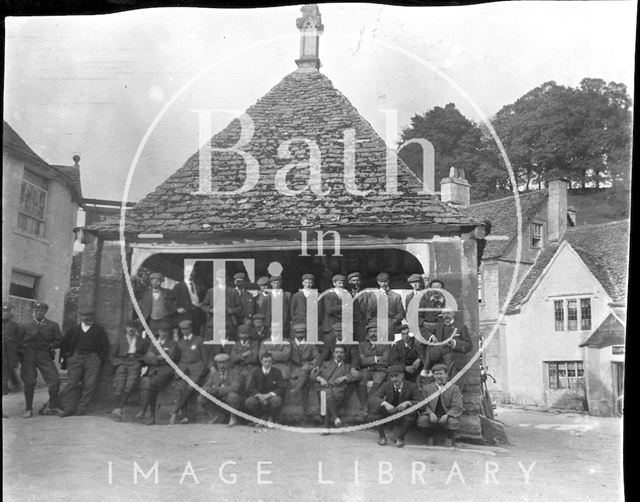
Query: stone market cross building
[[401, 233]]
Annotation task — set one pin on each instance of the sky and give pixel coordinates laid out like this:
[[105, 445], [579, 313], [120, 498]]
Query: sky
[[93, 85]]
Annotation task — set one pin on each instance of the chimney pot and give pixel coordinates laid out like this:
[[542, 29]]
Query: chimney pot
[[76, 160], [455, 189]]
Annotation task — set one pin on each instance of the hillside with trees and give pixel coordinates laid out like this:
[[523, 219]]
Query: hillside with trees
[[580, 133]]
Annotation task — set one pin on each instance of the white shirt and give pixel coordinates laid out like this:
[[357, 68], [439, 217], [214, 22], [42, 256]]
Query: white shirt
[[188, 338], [132, 344], [156, 294], [85, 327], [195, 300], [306, 292]]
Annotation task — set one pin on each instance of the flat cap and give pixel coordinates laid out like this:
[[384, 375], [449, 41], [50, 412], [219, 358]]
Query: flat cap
[[336, 326], [40, 305], [436, 280], [185, 324], [299, 328], [339, 277], [239, 275], [259, 316], [439, 367], [308, 276], [7, 307], [156, 275], [221, 357], [274, 278], [87, 312], [414, 278], [372, 325], [396, 368], [382, 276], [354, 274], [262, 281], [244, 329]]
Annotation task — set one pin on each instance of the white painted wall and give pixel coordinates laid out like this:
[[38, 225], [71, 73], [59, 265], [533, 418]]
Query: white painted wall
[[531, 338]]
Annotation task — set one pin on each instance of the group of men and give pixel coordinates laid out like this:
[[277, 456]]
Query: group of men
[[261, 358]]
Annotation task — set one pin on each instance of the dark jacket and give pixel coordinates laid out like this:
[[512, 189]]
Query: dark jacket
[[263, 384], [409, 392], [146, 302], [45, 335], [70, 341], [451, 399], [406, 356]]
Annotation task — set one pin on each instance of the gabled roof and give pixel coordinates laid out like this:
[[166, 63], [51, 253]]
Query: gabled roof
[[603, 248], [13, 144], [503, 217], [609, 332], [302, 105]]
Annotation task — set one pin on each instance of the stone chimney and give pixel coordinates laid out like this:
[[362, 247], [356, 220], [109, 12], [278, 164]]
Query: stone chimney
[[556, 209], [311, 27], [455, 189]]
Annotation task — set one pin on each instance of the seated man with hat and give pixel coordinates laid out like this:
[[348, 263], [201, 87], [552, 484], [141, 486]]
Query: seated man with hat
[[192, 360], [442, 413], [333, 378], [394, 396], [448, 344], [374, 361], [259, 331], [224, 383], [83, 350], [244, 353], [159, 374], [36, 351], [127, 354], [303, 360], [395, 309], [407, 352]]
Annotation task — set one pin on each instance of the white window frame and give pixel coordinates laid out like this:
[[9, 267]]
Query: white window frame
[[41, 220], [565, 309], [539, 244]]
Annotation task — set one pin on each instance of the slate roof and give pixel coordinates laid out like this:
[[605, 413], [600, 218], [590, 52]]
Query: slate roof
[[13, 144], [604, 248], [609, 332], [302, 105], [503, 217]]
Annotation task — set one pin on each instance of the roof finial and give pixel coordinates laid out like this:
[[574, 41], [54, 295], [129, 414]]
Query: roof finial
[[311, 27]]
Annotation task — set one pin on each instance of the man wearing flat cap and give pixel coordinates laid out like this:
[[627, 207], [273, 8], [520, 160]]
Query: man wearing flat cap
[[36, 351], [279, 301], [189, 294], [223, 383], [192, 360], [11, 334], [395, 310], [245, 299], [443, 413], [303, 361], [417, 285], [261, 300], [213, 306], [331, 304], [127, 355], [259, 331], [159, 374], [374, 361], [83, 351], [361, 300], [394, 396], [244, 353], [158, 304], [299, 300]]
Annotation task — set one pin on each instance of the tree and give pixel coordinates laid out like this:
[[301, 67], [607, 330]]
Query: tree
[[457, 141]]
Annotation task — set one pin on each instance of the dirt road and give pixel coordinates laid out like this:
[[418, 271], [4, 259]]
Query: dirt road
[[566, 457]]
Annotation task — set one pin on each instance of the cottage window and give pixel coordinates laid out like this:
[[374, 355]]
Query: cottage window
[[33, 198], [23, 291], [565, 374], [576, 311], [536, 235]]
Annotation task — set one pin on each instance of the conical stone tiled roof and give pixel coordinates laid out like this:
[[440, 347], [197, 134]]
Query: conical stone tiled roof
[[302, 105]]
